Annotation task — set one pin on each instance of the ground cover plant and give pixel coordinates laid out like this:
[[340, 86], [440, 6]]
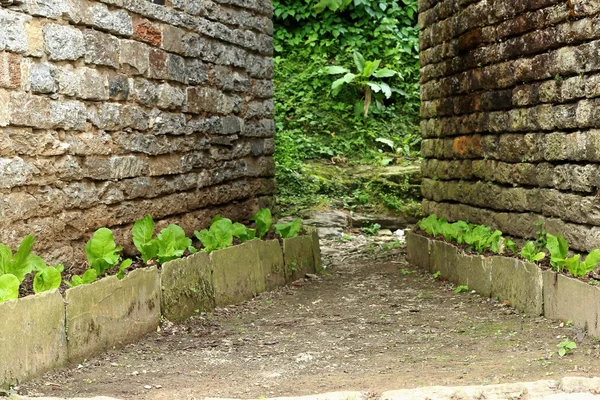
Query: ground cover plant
[[104, 256], [314, 39], [481, 239]]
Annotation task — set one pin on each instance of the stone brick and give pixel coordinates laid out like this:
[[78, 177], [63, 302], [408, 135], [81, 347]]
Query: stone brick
[[101, 49], [94, 84], [10, 70], [147, 32], [118, 21], [13, 35], [63, 42], [43, 78]]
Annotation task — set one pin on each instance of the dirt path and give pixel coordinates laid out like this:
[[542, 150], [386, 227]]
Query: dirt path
[[373, 324]]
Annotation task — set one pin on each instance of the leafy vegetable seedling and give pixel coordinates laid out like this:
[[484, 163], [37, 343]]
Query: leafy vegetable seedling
[[558, 248], [102, 251], [529, 252], [461, 288], [289, 229], [263, 220], [48, 279], [566, 347]]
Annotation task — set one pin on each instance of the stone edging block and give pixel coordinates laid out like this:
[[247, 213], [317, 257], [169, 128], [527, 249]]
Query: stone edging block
[[187, 287], [32, 336], [299, 257], [112, 312]]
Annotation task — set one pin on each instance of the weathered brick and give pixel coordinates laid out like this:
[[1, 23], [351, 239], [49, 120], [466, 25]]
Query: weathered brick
[[147, 32], [10, 70], [101, 49]]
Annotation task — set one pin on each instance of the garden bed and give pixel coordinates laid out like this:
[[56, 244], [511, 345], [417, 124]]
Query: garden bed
[[524, 285], [88, 319]]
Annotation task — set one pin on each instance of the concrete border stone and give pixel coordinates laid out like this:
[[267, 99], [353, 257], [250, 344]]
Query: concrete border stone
[[187, 287], [418, 249], [475, 272], [518, 282], [112, 312], [24, 322], [299, 257], [444, 258]]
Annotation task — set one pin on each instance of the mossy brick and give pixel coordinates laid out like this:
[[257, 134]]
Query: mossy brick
[[32, 336], [519, 283], [236, 273], [112, 312], [569, 299], [417, 250], [475, 272], [444, 258], [187, 287], [270, 256], [298, 257]]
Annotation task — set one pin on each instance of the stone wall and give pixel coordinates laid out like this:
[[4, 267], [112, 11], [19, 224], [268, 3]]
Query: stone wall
[[112, 109], [511, 114]]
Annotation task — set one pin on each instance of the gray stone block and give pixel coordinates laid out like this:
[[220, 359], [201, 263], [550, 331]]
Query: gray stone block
[[186, 287], [444, 258], [298, 256], [475, 272], [112, 312], [417, 250], [569, 299], [236, 273], [32, 336], [270, 256], [519, 283]]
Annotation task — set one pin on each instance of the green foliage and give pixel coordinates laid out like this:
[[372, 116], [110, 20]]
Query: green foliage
[[566, 347], [482, 238], [88, 276], [510, 245], [172, 243], [142, 232], [23, 262], [9, 287], [263, 220], [366, 80], [124, 265], [580, 269], [461, 288], [530, 253], [310, 123], [289, 229], [558, 248], [371, 229], [221, 233], [48, 279], [102, 252]]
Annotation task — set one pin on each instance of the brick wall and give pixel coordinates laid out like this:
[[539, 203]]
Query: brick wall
[[112, 109], [511, 114]]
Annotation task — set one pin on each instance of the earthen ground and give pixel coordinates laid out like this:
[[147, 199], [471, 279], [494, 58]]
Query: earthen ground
[[373, 324]]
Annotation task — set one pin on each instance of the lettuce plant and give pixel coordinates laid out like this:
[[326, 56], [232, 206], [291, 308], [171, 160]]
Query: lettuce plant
[[580, 269], [48, 279], [529, 252], [289, 229], [88, 276], [172, 243], [9, 287], [102, 251], [263, 220], [23, 262], [558, 248], [221, 233], [143, 232]]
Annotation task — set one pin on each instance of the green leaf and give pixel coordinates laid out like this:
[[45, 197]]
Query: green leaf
[[289, 229], [370, 68], [562, 351], [558, 248], [263, 220], [208, 240], [9, 287], [102, 252], [142, 233], [89, 276], [241, 232], [223, 231], [47, 279], [172, 243], [335, 70], [35, 263], [19, 266], [385, 88], [384, 73], [374, 87], [5, 258], [124, 265], [359, 60]]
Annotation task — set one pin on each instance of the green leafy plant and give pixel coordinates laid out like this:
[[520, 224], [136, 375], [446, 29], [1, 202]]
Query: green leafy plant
[[88, 276], [510, 245], [102, 251], [22, 262], [461, 288], [366, 80], [221, 233], [289, 229], [171, 243], [371, 229], [48, 278], [558, 248], [437, 275], [482, 238], [263, 220], [9, 287], [530, 253], [580, 269], [123, 267], [143, 232], [566, 347], [541, 236]]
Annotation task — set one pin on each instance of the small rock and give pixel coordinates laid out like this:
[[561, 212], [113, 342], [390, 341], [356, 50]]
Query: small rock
[[312, 276], [385, 232], [147, 387]]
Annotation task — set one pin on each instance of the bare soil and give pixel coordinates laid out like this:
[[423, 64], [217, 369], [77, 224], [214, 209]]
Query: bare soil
[[374, 323]]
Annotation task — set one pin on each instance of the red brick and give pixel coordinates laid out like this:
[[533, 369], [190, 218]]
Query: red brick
[[147, 32]]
